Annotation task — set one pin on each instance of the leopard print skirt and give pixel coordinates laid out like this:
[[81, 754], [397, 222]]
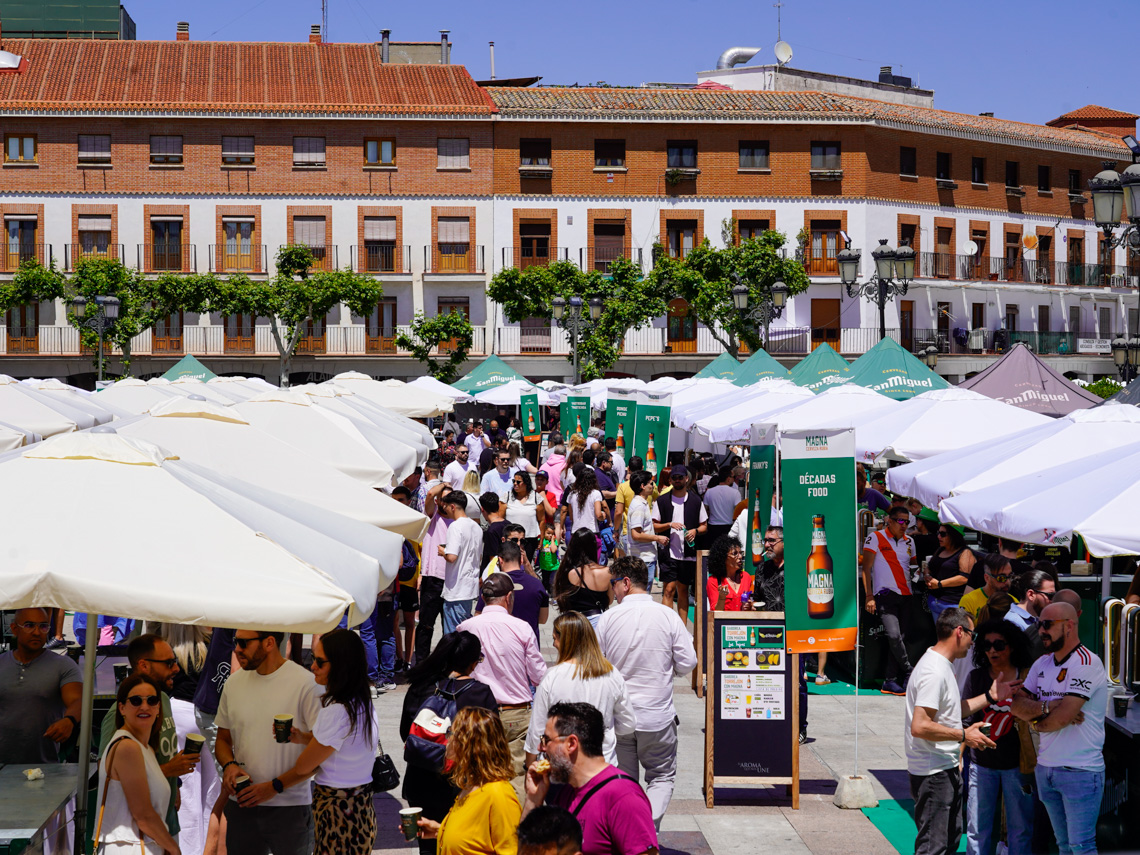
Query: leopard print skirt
[[345, 820]]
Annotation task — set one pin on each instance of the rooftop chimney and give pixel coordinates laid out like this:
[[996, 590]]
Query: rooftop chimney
[[492, 44], [444, 48], [886, 74], [986, 115], [384, 34], [182, 31], [315, 34]]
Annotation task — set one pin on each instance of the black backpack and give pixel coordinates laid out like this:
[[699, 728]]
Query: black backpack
[[426, 745]]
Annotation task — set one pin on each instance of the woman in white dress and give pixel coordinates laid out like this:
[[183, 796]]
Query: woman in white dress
[[134, 794]]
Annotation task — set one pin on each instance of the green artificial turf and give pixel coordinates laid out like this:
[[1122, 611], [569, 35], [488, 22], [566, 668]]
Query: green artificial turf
[[835, 687], [895, 820]]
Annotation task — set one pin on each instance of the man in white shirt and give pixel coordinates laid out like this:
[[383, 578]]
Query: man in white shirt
[[461, 553], [498, 479], [649, 645], [476, 441], [265, 817], [618, 459], [457, 469], [933, 734]]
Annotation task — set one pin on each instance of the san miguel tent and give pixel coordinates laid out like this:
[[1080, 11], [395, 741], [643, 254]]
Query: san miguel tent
[[891, 369], [188, 366], [759, 366], [821, 369], [1023, 379], [723, 366], [491, 372]]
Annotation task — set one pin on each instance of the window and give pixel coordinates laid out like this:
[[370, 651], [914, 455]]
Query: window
[[453, 154], [1075, 320], [1012, 256], [908, 235], [943, 252], [942, 166], [825, 155], [19, 149], [609, 153], [1011, 313], [1044, 259], [380, 245], [978, 170], [977, 316], [239, 333], [21, 239], [94, 148], [94, 234], [1012, 173], [238, 252], [380, 152], [1044, 319], [1105, 317], [310, 232], [380, 328], [823, 247], [943, 322], [454, 247], [166, 243], [1075, 181], [534, 244], [750, 229], [681, 154], [680, 237], [534, 152], [754, 155], [681, 329], [237, 151], [908, 160], [166, 150], [1044, 179], [309, 151], [609, 243]]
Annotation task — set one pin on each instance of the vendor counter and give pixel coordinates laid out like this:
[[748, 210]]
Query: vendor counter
[[1118, 828], [36, 816]]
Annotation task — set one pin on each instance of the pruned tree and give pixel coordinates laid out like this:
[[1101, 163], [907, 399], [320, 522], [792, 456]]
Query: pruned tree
[[440, 343]]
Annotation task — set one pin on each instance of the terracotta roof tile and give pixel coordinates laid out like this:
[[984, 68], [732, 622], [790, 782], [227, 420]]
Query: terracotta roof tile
[[197, 77], [1093, 111]]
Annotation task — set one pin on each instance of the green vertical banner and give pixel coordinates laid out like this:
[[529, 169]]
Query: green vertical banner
[[531, 418], [817, 478], [761, 480], [574, 413], [621, 410], [651, 431]]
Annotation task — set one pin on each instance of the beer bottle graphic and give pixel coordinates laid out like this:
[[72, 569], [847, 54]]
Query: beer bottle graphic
[[621, 437], [578, 423], [820, 574], [757, 533], [530, 421], [651, 458]]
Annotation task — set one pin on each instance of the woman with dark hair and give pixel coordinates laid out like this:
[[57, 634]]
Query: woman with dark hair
[[134, 794], [581, 583], [948, 570], [524, 508], [1001, 653], [727, 579], [514, 435], [447, 669], [486, 812], [341, 748], [584, 502], [518, 460]]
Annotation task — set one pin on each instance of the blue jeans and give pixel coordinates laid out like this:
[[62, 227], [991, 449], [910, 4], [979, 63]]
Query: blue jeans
[[1072, 797], [378, 635], [455, 612], [651, 566], [982, 821], [938, 606]]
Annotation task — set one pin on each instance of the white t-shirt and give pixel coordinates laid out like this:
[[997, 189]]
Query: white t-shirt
[[475, 445], [501, 485], [583, 515], [721, 501], [461, 577], [454, 473], [247, 708], [932, 685], [607, 694], [351, 763], [676, 542], [1081, 673], [640, 518], [524, 512]]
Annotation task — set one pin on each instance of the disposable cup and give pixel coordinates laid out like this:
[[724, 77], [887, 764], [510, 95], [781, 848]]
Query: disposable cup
[[282, 727], [409, 822], [194, 743]]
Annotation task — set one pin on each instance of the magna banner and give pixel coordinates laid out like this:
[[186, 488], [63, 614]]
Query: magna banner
[[651, 431], [817, 477], [621, 408], [761, 474], [531, 418]]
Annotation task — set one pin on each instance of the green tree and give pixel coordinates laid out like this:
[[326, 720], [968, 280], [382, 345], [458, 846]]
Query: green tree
[[1106, 387], [450, 335], [706, 276], [294, 298], [629, 301], [33, 283]]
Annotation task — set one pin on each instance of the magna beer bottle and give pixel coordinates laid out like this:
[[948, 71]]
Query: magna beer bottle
[[530, 421], [820, 574], [757, 534], [620, 440], [651, 458]]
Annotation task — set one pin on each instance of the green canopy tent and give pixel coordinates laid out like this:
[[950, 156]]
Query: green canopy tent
[[889, 368], [188, 366], [491, 372], [821, 369], [724, 366], [759, 366]]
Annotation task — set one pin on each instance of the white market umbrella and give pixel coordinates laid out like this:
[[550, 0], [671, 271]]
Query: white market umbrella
[[12, 437], [1076, 436], [402, 447], [240, 388], [405, 424], [510, 393], [407, 400], [689, 400], [72, 396], [939, 421], [186, 386], [29, 412], [219, 438], [734, 422], [134, 396], [440, 388], [835, 407]]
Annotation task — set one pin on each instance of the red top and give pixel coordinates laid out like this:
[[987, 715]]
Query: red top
[[732, 598]]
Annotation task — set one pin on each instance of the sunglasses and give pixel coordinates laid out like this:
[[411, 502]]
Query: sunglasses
[[943, 532], [242, 642], [321, 663], [1048, 624], [900, 520], [1004, 577], [546, 740], [1046, 594], [997, 645], [973, 633], [169, 663], [139, 700], [35, 627]]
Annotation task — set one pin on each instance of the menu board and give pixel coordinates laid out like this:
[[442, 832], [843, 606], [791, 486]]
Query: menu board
[[752, 680]]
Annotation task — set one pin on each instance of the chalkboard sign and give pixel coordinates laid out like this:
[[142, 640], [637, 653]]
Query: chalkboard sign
[[751, 703]]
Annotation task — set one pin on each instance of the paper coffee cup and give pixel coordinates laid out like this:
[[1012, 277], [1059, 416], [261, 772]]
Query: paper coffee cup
[[409, 822], [1120, 705], [194, 743], [241, 783], [282, 726]]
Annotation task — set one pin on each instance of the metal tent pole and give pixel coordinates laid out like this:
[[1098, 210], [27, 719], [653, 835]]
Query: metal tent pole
[[85, 728]]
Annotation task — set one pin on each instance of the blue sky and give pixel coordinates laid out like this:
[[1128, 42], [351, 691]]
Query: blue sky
[[1024, 61]]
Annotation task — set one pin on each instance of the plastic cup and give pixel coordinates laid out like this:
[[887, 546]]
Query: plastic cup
[[409, 822], [1120, 705], [282, 727], [194, 743]]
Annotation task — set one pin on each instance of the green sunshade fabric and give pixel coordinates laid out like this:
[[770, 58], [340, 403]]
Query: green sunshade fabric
[[491, 372], [889, 368], [759, 366], [724, 367], [188, 366], [821, 369]]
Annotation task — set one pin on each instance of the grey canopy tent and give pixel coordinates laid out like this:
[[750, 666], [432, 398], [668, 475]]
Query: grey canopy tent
[[1023, 379]]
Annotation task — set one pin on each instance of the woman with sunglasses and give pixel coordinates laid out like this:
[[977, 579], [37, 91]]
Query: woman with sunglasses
[[524, 508], [134, 794], [727, 579], [948, 570], [1001, 652], [581, 583]]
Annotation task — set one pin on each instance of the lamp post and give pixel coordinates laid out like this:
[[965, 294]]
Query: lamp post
[[929, 357], [570, 316], [770, 305], [894, 271], [1126, 355], [97, 313], [1115, 194]]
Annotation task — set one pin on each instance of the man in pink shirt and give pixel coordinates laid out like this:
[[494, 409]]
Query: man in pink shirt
[[432, 568], [512, 664]]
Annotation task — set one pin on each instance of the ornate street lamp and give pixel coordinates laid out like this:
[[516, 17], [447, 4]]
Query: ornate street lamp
[[98, 314], [762, 312], [894, 271], [570, 316]]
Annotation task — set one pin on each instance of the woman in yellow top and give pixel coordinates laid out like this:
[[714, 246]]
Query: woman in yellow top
[[485, 817]]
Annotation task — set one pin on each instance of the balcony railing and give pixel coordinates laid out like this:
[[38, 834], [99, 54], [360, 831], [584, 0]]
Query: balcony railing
[[237, 258], [74, 252], [163, 258], [17, 254], [454, 258], [23, 340], [324, 257], [523, 257], [383, 258], [601, 258]]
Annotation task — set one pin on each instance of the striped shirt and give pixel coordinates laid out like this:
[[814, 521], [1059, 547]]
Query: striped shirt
[[891, 570]]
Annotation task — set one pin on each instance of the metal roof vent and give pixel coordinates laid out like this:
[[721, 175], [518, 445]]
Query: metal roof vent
[[736, 56]]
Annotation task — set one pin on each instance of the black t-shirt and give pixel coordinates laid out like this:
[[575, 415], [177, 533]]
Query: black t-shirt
[[186, 684], [216, 671], [947, 568], [769, 587], [492, 541], [1007, 755]]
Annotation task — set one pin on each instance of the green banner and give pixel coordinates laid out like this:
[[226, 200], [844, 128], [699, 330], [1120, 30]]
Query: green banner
[[530, 417], [651, 431], [817, 478], [621, 410], [761, 480], [574, 414]]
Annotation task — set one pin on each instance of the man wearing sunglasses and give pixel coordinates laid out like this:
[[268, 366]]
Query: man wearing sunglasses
[[999, 578], [1064, 700], [887, 556], [1034, 589], [458, 468], [40, 694]]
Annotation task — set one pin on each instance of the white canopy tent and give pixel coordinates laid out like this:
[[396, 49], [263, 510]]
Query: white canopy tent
[[134, 396], [733, 424], [186, 386], [691, 399], [383, 416], [835, 407], [440, 388], [29, 412], [240, 388], [510, 393], [408, 400], [12, 437], [57, 390]]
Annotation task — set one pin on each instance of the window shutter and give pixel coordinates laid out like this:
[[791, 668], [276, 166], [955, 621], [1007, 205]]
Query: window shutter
[[94, 146], [309, 151], [454, 230], [166, 145], [609, 238], [237, 146], [380, 228], [309, 230], [91, 223], [453, 154]]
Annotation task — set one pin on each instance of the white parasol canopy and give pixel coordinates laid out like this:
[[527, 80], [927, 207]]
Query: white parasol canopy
[[134, 396], [733, 424], [414, 401], [440, 388], [691, 397], [240, 388], [12, 437], [939, 421], [23, 409], [406, 425], [510, 393], [186, 386], [835, 407], [71, 396]]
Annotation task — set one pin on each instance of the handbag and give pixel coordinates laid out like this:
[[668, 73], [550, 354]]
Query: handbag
[[385, 776], [103, 800]]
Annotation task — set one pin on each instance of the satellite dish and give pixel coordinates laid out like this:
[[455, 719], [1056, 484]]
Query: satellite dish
[[1029, 241], [783, 52], [970, 248]]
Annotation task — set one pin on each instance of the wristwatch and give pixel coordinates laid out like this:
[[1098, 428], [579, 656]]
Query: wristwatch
[[277, 785], [74, 721]]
